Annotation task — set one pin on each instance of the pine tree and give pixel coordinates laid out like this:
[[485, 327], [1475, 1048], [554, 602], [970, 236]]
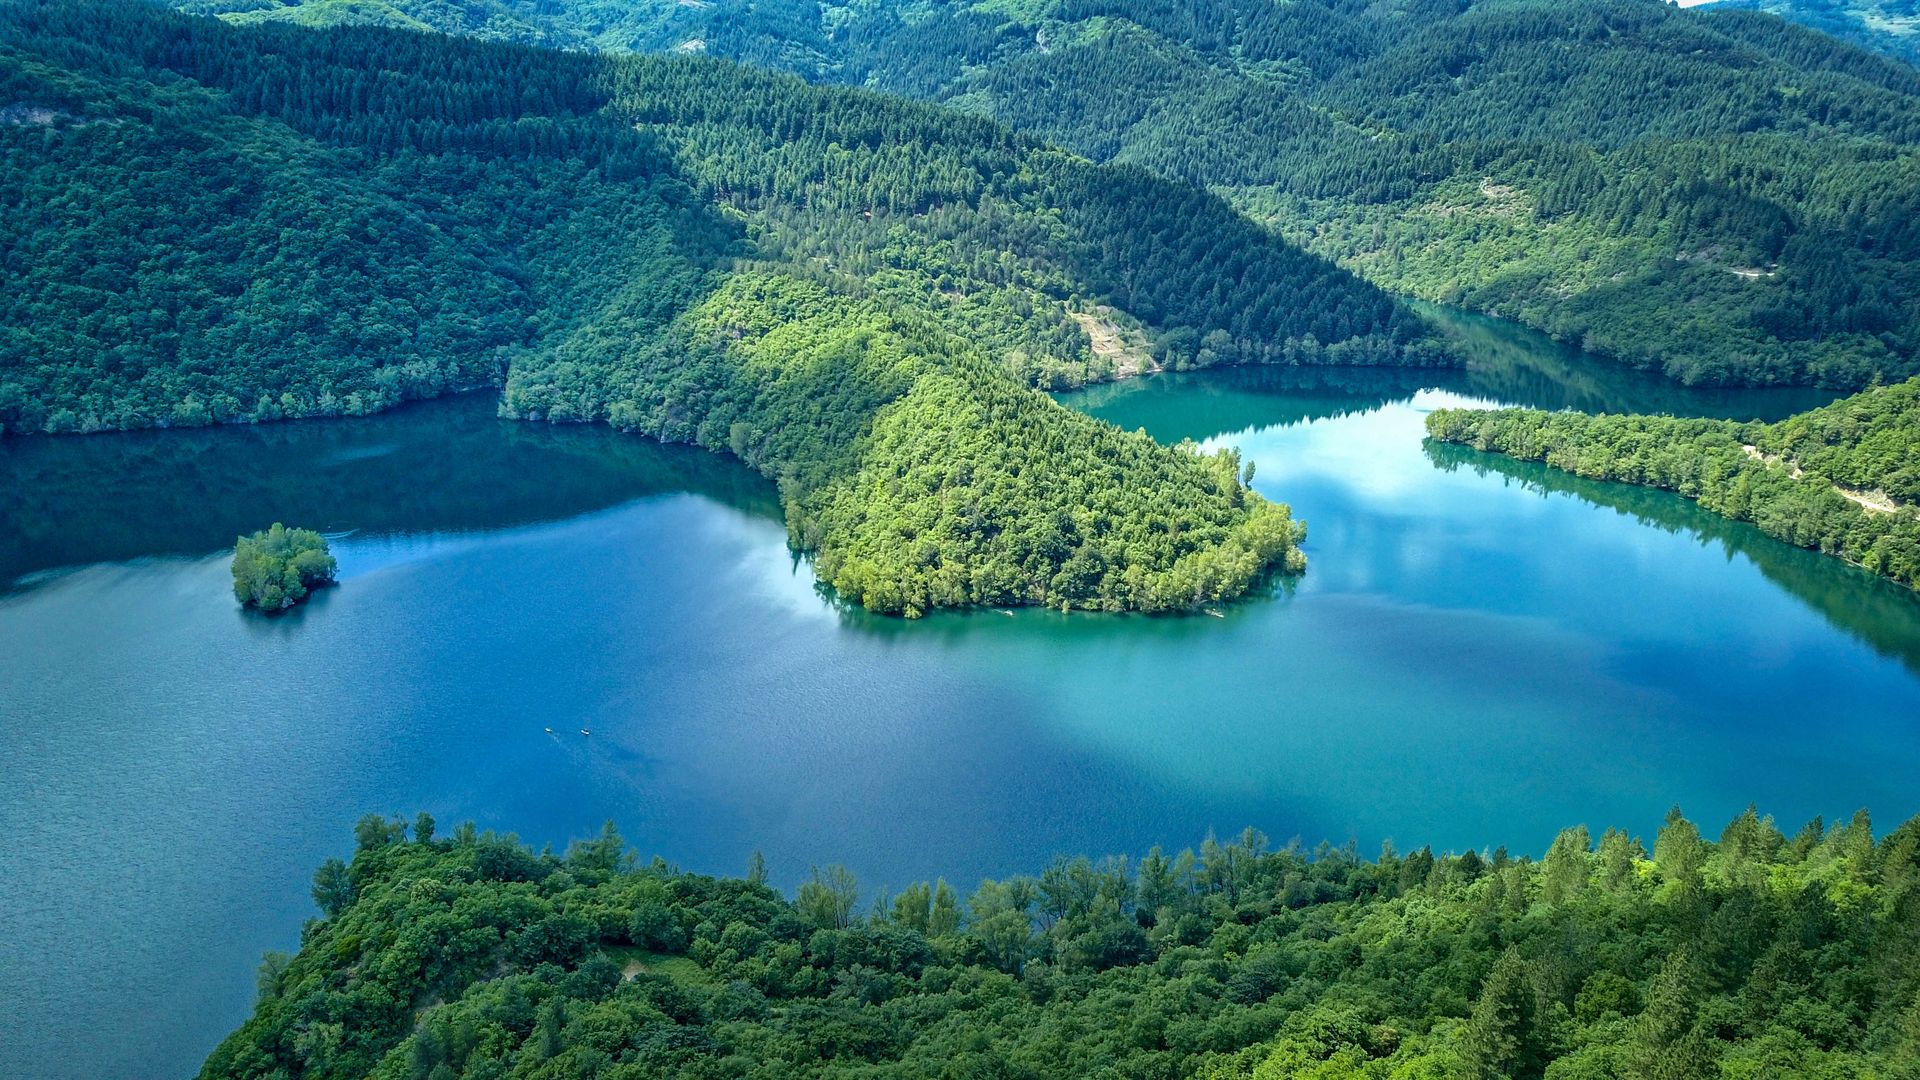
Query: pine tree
[[1501, 1040], [944, 918], [1677, 850], [1567, 866]]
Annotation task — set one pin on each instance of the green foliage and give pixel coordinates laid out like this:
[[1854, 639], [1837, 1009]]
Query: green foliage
[[216, 226], [827, 899], [1870, 441], [1841, 479], [1754, 956], [1714, 194], [275, 568], [224, 225]]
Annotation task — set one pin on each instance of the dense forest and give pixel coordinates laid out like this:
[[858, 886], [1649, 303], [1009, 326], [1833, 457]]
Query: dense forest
[[442, 957], [1842, 479], [1717, 194], [213, 224], [852, 293]]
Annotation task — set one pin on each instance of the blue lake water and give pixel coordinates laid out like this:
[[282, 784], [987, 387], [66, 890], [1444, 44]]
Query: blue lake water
[[1480, 653]]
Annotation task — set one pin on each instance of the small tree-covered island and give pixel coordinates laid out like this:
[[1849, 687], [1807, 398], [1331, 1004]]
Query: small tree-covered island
[[470, 956], [277, 567]]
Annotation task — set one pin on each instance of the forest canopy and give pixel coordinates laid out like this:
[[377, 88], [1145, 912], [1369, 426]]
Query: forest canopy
[[213, 224], [1884, 26], [468, 955]]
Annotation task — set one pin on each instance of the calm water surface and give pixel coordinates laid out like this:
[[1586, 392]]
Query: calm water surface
[[1481, 653]]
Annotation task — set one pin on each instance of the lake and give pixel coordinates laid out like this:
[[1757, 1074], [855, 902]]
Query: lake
[[1481, 653]]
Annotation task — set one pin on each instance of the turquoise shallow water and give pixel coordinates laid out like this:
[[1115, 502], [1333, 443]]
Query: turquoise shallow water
[[1480, 653]]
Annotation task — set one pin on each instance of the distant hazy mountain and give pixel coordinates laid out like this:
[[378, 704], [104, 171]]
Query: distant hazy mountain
[[1891, 26]]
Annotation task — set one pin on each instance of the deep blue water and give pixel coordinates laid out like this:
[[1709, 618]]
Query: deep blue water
[[1480, 653]]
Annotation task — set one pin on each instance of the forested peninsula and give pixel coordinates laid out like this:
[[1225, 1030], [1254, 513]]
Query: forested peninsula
[[1842, 479], [853, 293], [1714, 194], [468, 955]]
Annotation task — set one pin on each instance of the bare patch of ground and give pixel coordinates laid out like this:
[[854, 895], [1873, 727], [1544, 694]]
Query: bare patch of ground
[[1127, 350], [1877, 502], [1714, 256], [27, 114], [1496, 200]]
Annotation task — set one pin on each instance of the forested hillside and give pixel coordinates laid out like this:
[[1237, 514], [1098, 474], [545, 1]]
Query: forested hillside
[[470, 956], [1715, 194], [1843, 479], [213, 224], [203, 216]]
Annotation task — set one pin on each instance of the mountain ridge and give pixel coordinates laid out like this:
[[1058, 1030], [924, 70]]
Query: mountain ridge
[[1715, 194]]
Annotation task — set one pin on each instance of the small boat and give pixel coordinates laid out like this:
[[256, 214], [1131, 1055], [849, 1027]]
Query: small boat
[[549, 731], [1005, 612], [584, 731], [1215, 613]]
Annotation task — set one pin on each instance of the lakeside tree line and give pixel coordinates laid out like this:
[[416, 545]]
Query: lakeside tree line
[[471, 956], [1843, 479]]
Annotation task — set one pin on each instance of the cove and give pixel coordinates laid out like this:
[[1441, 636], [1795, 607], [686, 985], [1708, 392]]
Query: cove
[[1480, 653]]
